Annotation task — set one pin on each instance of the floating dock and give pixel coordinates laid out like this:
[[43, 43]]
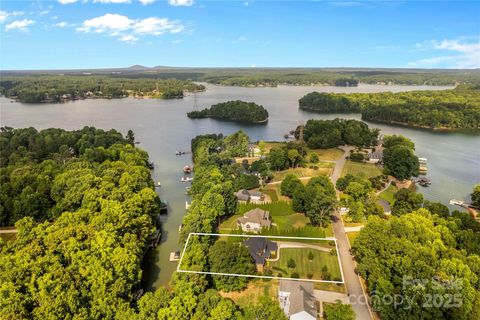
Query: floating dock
[[174, 256]]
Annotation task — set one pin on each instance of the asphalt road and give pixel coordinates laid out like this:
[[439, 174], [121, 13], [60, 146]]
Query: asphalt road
[[355, 292]]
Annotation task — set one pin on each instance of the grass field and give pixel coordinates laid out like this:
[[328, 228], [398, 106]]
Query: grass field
[[256, 289], [352, 236], [324, 168], [296, 220], [365, 170], [305, 267], [272, 193], [335, 287], [279, 208], [387, 195], [331, 154]]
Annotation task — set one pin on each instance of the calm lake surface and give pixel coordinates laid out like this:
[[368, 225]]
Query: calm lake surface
[[162, 127]]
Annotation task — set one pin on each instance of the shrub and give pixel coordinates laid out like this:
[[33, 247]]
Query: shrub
[[357, 157], [310, 255], [291, 263]]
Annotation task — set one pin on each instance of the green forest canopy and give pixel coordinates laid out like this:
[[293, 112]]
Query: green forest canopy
[[333, 133], [432, 262], [237, 110], [455, 109], [95, 196]]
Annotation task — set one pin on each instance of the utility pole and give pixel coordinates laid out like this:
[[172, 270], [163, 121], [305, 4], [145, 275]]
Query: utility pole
[[195, 105], [300, 135]]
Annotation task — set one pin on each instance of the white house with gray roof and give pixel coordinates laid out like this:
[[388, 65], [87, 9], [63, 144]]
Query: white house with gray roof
[[255, 220], [297, 300]]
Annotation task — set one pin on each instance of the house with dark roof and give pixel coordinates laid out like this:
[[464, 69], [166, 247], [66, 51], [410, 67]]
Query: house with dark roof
[[247, 195], [254, 220], [261, 249], [297, 300], [375, 157]]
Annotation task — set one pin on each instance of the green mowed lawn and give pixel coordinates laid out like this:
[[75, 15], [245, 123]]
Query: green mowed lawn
[[272, 193], [352, 236], [388, 194], [296, 220], [331, 154], [324, 168], [279, 208], [365, 170], [305, 267]]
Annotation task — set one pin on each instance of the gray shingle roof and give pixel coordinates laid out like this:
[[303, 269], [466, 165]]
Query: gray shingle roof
[[260, 248], [256, 215], [301, 296]]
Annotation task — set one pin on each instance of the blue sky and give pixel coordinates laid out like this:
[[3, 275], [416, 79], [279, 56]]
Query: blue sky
[[119, 33]]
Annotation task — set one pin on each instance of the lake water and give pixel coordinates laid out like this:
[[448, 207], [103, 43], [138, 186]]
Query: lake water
[[162, 127]]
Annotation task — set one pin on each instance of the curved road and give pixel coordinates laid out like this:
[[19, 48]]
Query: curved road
[[357, 296]]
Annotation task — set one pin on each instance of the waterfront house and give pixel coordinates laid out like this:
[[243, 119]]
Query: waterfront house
[[254, 220], [297, 300], [261, 249], [375, 157]]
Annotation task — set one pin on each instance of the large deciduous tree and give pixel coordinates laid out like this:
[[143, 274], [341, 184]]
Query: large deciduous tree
[[401, 162]]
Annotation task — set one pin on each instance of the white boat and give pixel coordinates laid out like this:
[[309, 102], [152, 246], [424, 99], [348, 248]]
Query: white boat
[[187, 205], [159, 183], [186, 179], [455, 202], [422, 160]]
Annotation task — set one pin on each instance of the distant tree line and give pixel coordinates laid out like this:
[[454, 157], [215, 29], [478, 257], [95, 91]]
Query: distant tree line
[[452, 109], [333, 133], [237, 110], [57, 88], [307, 76]]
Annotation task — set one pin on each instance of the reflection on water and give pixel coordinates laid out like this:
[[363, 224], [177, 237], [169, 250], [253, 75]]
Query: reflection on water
[[162, 127]]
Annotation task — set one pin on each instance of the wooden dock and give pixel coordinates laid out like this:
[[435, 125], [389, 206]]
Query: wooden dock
[[174, 256]]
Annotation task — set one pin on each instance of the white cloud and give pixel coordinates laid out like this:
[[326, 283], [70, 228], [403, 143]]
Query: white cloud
[[240, 39], [128, 39], [177, 41], [145, 2], [112, 1], [112, 23], [156, 26], [44, 12], [67, 1], [346, 3], [21, 25], [126, 28], [62, 24], [177, 3], [5, 15], [458, 53]]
